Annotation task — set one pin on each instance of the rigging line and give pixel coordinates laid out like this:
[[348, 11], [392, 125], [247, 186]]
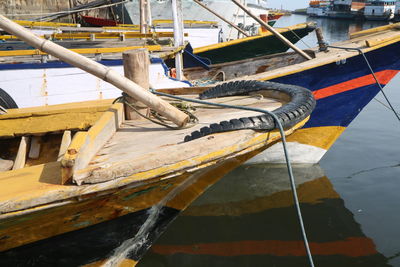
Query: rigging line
[[383, 104], [71, 11], [296, 35], [287, 159], [373, 74]]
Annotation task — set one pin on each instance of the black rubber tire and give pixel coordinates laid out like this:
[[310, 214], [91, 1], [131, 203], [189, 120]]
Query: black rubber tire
[[301, 105], [6, 100]]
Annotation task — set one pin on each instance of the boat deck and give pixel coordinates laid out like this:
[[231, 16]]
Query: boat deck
[[142, 141]]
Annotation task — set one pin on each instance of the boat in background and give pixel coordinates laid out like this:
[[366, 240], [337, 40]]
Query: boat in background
[[129, 11], [272, 18], [319, 8], [341, 9], [379, 10], [254, 46], [43, 80], [99, 22], [397, 12]]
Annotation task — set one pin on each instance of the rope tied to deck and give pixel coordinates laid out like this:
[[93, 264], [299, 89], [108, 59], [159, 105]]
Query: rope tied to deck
[[157, 118]]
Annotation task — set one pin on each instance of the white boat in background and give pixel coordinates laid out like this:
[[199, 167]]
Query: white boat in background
[[379, 10], [341, 9], [319, 8], [161, 10]]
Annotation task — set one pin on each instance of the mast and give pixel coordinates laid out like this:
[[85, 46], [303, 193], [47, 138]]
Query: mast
[[178, 35]]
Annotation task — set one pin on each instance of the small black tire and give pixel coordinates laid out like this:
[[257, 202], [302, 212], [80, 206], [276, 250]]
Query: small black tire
[[6, 100]]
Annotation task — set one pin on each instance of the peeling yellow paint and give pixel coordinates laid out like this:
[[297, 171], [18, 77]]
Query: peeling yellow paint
[[36, 202], [31, 121]]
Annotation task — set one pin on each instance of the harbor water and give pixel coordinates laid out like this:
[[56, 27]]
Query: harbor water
[[350, 205], [350, 201]]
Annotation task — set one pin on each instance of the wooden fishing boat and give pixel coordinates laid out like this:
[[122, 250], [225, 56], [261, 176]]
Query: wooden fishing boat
[[340, 79], [215, 228], [253, 46], [112, 167]]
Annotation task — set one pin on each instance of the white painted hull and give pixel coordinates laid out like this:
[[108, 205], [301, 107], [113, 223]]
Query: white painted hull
[[198, 37], [379, 12], [299, 154], [36, 85]]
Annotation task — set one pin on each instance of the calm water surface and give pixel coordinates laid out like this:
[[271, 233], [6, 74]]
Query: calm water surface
[[350, 201]]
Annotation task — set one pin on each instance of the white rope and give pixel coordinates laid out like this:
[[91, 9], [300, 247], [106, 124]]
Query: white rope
[[69, 11]]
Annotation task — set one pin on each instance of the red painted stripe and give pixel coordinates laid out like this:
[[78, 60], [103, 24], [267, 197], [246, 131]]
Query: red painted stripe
[[351, 247], [384, 77]]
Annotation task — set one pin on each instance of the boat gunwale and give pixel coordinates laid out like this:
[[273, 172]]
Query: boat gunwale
[[14, 207], [334, 57]]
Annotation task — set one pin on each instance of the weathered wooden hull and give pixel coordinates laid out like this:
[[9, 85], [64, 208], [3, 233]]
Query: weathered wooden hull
[[251, 47], [38, 207], [102, 220]]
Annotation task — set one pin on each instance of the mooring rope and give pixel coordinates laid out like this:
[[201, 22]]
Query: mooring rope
[[287, 159], [373, 74]]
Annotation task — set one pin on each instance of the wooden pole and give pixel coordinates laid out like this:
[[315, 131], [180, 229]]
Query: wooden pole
[[142, 10], [136, 69], [148, 15], [178, 36], [222, 18], [272, 30], [321, 42], [97, 69]]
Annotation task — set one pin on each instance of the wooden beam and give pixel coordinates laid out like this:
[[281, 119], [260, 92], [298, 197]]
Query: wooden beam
[[85, 145], [380, 41], [272, 30], [65, 142], [221, 17], [20, 160], [34, 150]]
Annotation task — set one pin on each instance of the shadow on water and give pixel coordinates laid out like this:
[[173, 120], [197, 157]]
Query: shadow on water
[[248, 219]]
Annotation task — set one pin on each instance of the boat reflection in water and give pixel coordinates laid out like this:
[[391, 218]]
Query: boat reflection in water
[[248, 219]]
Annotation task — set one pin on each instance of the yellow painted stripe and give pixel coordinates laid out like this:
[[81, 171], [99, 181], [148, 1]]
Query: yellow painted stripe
[[32, 52], [28, 23], [322, 137], [200, 22], [375, 30], [83, 106]]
